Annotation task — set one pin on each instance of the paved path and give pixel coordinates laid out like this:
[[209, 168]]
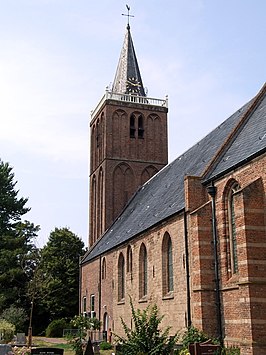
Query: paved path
[[51, 340]]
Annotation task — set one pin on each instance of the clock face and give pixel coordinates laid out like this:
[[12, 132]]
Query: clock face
[[133, 86]]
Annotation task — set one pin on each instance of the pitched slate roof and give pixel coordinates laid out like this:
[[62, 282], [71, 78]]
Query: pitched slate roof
[[163, 195], [127, 78], [249, 140]]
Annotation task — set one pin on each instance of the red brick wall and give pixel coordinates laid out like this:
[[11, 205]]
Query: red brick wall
[[244, 293], [172, 306], [126, 162]]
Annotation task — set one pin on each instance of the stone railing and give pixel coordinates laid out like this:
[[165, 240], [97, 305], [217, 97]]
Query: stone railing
[[143, 100]]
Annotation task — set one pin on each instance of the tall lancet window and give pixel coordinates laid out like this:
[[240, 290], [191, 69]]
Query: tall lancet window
[[143, 272], [121, 277], [140, 127], [232, 226], [167, 265], [132, 126]]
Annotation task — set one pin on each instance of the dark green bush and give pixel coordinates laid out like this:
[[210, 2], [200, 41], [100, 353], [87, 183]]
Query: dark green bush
[[193, 335], [230, 351], [55, 328], [105, 346], [7, 331]]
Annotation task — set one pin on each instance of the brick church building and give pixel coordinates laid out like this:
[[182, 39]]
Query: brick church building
[[189, 236]]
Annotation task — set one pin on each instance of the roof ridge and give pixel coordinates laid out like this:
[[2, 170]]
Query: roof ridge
[[242, 121]]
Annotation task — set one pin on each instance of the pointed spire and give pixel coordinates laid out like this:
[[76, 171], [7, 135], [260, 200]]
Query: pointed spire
[[127, 78]]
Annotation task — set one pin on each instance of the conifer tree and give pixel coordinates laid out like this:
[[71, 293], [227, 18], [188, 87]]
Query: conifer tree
[[16, 242]]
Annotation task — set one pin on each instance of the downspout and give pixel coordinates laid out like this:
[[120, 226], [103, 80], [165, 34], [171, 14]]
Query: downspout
[[100, 289], [187, 271], [212, 192]]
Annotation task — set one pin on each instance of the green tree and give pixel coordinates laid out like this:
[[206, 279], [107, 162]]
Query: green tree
[[60, 267], [17, 316], [146, 338], [16, 243]]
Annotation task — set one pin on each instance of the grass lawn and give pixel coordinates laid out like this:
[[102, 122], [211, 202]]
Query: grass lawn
[[61, 343]]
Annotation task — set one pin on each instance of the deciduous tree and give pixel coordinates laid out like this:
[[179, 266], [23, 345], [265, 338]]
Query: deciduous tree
[[60, 267]]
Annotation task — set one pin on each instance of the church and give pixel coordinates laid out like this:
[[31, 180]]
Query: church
[[189, 236]]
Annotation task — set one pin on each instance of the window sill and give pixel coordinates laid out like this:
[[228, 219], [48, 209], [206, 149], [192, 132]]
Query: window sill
[[168, 296], [143, 299], [122, 301]]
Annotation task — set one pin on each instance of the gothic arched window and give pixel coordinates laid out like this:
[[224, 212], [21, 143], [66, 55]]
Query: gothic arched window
[[132, 126], [104, 269], [140, 127], [143, 271], [233, 259], [129, 259], [167, 265], [121, 277]]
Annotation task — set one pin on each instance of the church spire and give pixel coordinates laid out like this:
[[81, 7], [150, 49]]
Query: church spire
[[127, 78]]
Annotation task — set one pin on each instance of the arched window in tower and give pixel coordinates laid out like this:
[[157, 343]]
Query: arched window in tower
[[121, 277], [93, 148], [143, 272], [104, 269], [232, 229], [97, 134], [129, 260], [93, 211], [167, 265], [102, 136], [132, 126], [147, 173], [140, 127], [100, 222], [123, 187]]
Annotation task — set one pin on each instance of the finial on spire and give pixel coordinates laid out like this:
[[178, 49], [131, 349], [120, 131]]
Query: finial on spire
[[128, 16]]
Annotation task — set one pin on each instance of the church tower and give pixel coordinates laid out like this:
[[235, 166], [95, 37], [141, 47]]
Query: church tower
[[128, 135]]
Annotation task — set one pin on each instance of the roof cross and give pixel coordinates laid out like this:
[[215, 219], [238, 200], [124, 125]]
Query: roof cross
[[128, 16]]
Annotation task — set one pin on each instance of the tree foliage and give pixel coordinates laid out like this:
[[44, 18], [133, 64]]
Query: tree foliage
[[56, 328], [146, 338], [17, 250], [17, 316], [84, 322], [7, 330], [59, 266]]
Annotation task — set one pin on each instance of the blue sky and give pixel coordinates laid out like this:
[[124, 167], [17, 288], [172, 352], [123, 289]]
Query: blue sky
[[57, 57]]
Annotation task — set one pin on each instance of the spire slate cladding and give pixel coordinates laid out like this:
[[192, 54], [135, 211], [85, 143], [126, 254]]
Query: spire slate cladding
[[127, 78]]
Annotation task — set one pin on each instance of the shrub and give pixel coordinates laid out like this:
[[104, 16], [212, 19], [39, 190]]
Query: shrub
[[105, 346], [6, 331], [193, 335], [146, 337], [15, 315], [55, 328], [82, 322], [230, 351]]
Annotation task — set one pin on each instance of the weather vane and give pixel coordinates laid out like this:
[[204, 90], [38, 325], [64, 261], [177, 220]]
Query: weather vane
[[128, 15]]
